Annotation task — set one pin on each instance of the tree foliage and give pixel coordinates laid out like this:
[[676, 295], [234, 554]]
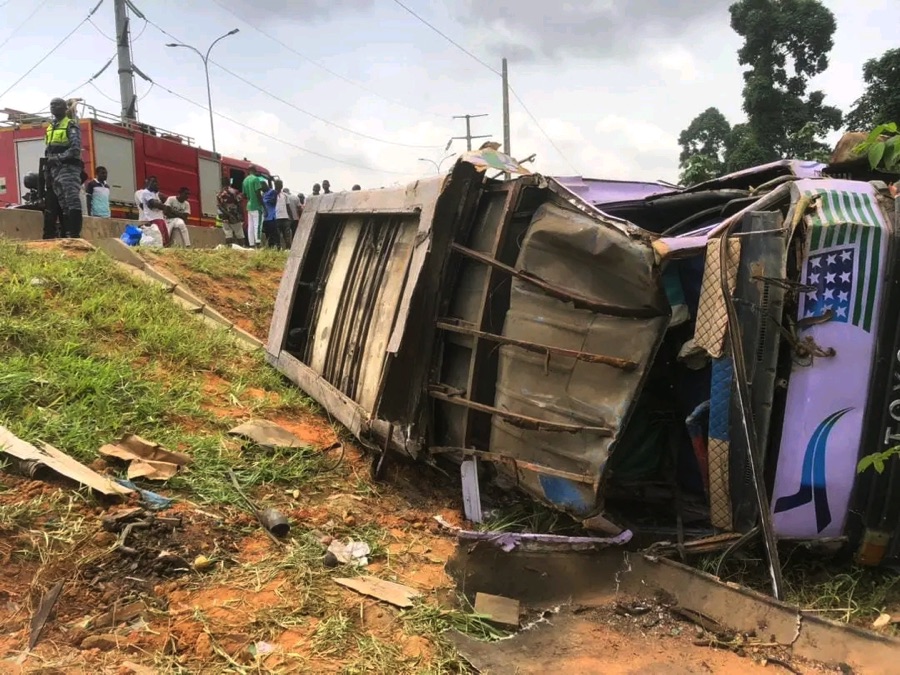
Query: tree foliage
[[880, 102], [786, 42], [703, 146]]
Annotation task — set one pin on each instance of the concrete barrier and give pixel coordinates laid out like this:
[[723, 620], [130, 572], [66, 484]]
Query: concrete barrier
[[27, 225]]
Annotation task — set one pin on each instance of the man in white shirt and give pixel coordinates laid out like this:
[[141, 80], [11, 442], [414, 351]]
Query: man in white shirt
[[178, 210], [293, 206], [278, 221], [152, 208]]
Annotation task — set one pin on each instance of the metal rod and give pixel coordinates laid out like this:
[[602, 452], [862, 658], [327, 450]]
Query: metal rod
[[624, 364], [560, 292], [507, 149], [522, 421]]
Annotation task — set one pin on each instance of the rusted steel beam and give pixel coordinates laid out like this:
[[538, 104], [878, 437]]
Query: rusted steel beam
[[521, 421], [520, 463], [557, 291], [546, 350]]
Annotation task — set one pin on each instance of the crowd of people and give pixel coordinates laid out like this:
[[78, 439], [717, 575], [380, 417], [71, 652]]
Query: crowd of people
[[272, 211]]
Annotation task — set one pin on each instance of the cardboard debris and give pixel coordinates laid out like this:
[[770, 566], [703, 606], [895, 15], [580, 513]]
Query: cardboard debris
[[394, 594], [147, 459], [59, 462], [267, 434], [43, 613], [497, 609]]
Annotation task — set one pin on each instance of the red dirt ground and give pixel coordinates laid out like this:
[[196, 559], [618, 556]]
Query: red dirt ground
[[253, 594]]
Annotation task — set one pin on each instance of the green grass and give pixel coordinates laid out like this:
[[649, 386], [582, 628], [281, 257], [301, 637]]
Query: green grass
[[87, 354], [225, 263]]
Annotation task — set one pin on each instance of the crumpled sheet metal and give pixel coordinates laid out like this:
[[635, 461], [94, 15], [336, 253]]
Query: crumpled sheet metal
[[267, 434], [594, 260], [508, 541]]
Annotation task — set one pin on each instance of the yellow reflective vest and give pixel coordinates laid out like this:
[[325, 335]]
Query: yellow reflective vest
[[58, 135]]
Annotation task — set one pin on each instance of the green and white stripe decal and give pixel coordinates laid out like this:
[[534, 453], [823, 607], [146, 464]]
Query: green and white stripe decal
[[845, 218]]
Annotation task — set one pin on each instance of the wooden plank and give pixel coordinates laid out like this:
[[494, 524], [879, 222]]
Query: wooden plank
[[497, 609], [59, 462], [394, 594]]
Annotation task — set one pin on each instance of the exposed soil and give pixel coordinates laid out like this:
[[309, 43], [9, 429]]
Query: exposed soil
[[246, 300], [145, 602]]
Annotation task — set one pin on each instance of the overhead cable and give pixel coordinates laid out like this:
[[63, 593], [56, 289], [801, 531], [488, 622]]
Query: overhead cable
[[15, 31], [276, 138], [57, 46], [541, 129], [297, 108], [349, 80]]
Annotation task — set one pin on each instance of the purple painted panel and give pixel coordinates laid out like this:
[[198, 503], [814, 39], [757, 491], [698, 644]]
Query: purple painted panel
[[846, 252], [600, 191], [795, 167]]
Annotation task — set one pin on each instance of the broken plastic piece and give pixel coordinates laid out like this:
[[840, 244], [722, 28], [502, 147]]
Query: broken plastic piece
[[267, 434], [146, 459], [510, 540], [352, 553]]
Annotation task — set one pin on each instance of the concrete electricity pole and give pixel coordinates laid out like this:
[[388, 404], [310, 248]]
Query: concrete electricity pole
[[507, 150], [468, 137], [126, 68]]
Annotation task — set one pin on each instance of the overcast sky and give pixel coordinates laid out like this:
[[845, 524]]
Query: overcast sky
[[611, 82]]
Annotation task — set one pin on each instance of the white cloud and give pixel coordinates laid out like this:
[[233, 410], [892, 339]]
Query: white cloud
[[678, 61]]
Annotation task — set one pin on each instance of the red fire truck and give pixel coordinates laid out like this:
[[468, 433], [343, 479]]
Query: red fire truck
[[131, 152]]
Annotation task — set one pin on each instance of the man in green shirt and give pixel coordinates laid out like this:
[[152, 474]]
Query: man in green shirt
[[252, 187]]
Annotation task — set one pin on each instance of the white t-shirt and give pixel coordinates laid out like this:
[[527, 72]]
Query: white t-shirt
[[293, 206], [281, 207], [147, 212], [184, 207]]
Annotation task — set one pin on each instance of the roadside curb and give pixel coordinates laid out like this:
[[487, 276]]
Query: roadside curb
[[140, 269]]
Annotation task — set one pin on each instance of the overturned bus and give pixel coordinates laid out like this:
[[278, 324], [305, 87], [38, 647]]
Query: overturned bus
[[644, 357]]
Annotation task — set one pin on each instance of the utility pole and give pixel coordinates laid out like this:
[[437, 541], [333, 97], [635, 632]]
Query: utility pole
[[468, 137], [507, 150], [506, 147], [126, 68]]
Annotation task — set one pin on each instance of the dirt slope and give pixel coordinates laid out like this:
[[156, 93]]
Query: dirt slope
[[89, 354]]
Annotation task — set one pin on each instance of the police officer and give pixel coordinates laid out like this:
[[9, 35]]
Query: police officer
[[62, 172]]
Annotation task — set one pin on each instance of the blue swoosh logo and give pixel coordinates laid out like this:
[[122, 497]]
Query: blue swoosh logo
[[813, 486]]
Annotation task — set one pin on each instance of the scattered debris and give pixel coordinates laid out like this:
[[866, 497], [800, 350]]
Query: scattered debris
[[394, 594], [43, 613], [146, 459], [497, 609], [149, 499], [118, 614], [352, 553], [510, 540], [267, 434], [275, 524], [882, 621], [202, 563], [58, 461]]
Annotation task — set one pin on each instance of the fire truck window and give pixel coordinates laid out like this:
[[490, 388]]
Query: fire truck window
[[237, 178]]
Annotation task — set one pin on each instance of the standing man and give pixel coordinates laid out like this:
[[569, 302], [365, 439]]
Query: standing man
[[326, 187], [97, 192], [293, 203], [178, 209], [229, 201], [252, 188], [278, 223], [355, 188], [62, 172], [317, 190]]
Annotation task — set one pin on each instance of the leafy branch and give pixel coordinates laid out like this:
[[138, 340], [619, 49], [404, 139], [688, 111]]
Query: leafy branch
[[877, 460], [882, 147]]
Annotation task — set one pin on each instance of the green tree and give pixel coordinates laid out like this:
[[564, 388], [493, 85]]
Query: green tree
[[703, 147], [880, 103], [786, 42]]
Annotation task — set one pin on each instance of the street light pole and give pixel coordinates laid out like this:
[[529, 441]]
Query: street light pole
[[212, 124], [437, 166]]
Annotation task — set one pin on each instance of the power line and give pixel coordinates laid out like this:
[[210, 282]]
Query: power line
[[448, 38], [541, 129], [297, 108], [276, 138], [495, 72], [328, 70], [50, 53], [15, 31]]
